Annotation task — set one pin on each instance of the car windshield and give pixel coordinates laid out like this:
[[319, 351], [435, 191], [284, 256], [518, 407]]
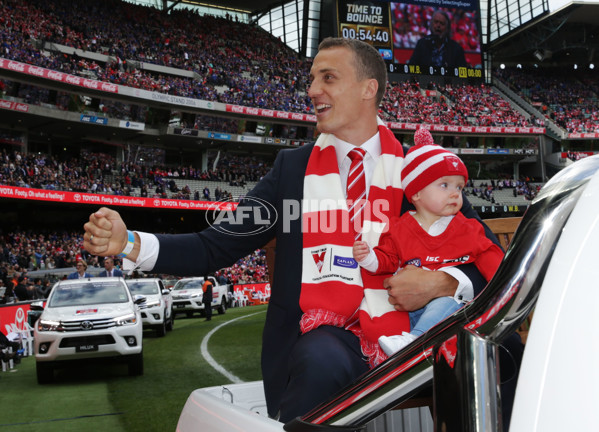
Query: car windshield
[[143, 287], [88, 292], [189, 284]]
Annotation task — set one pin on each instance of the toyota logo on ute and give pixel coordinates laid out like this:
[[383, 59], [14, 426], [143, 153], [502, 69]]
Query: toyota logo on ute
[[87, 325]]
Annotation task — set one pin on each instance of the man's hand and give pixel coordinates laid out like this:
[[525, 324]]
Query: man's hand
[[412, 287], [360, 250], [106, 234]]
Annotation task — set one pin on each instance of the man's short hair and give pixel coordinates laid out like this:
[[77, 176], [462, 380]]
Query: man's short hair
[[369, 62]]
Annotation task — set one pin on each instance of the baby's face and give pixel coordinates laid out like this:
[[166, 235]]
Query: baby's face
[[442, 197]]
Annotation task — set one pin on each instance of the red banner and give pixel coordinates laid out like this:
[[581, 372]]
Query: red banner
[[111, 200], [470, 129], [238, 109], [575, 155], [258, 293], [585, 135], [57, 76], [13, 106], [13, 314]]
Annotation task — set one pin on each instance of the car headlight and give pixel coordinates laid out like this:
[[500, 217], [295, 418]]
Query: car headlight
[[196, 295], [153, 303], [49, 325], [128, 319]]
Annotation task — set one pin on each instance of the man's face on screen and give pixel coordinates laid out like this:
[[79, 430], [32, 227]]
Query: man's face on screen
[[439, 26]]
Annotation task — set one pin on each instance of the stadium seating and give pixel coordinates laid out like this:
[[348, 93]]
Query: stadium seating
[[229, 62]]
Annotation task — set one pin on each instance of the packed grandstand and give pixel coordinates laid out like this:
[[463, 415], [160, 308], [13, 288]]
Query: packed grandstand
[[70, 57]]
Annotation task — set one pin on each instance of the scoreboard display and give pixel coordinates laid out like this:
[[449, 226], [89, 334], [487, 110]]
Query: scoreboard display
[[418, 37], [367, 22]]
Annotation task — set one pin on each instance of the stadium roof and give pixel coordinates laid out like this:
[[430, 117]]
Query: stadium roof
[[567, 36], [252, 7]]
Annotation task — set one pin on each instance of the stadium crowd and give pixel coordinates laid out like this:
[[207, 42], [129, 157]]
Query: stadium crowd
[[450, 105], [25, 251], [100, 173], [486, 190], [233, 63], [568, 97]]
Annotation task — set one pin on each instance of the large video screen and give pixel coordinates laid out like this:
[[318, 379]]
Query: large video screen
[[418, 37]]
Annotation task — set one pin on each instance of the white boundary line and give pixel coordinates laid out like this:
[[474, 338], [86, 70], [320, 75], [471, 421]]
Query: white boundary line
[[210, 360]]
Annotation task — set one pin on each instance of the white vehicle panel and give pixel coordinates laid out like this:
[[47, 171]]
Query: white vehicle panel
[[238, 407], [558, 387]]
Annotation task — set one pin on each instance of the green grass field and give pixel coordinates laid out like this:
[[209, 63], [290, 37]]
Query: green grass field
[[105, 398]]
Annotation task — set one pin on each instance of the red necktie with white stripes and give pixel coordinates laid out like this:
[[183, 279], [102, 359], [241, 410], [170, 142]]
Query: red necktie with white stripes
[[356, 188]]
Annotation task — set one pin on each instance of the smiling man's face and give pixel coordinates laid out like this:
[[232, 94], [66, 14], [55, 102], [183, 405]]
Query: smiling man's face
[[338, 96]]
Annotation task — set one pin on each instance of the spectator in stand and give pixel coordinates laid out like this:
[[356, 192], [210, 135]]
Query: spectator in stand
[[206, 194], [39, 289], [21, 292], [438, 49], [8, 296]]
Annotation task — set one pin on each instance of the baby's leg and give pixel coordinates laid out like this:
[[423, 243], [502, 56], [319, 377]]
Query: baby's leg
[[434, 312]]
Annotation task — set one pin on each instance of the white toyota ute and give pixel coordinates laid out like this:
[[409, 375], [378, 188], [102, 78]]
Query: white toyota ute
[[187, 296], [85, 319], [157, 311]]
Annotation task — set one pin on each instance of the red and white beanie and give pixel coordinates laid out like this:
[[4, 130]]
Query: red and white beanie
[[426, 162]]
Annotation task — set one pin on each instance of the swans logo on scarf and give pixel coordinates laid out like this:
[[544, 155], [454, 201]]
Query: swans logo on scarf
[[318, 257], [414, 261]]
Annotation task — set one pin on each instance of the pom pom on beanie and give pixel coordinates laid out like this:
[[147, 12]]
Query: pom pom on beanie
[[426, 162]]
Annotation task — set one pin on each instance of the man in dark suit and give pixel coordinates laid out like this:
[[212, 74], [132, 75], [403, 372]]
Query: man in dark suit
[[109, 269], [21, 291], [348, 80]]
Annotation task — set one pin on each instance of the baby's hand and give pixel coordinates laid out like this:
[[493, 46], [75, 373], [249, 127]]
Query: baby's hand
[[360, 250]]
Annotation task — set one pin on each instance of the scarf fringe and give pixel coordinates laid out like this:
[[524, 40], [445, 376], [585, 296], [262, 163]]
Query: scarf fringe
[[315, 318], [371, 350]]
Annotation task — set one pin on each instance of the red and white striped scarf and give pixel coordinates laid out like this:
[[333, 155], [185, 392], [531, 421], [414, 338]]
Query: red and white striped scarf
[[335, 290]]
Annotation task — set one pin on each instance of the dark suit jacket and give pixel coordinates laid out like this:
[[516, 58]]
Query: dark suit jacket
[[211, 249], [21, 292], [115, 273], [453, 53]]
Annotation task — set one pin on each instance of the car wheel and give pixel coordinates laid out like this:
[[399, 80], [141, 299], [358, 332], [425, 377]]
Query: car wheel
[[45, 372], [135, 363], [161, 328], [222, 308], [171, 321]]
